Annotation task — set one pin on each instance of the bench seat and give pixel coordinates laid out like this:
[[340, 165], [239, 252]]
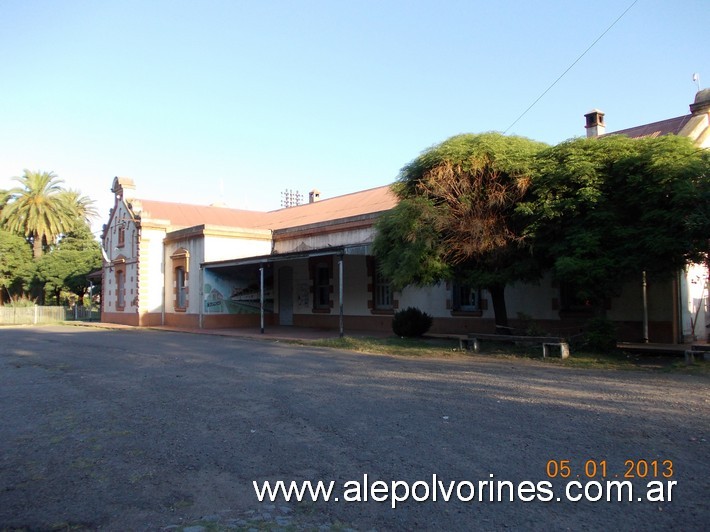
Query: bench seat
[[548, 342], [699, 351]]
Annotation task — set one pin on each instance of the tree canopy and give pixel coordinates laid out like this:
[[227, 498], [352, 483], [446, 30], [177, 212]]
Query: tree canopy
[[457, 217], [42, 210], [67, 266], [43, 216], [490, 210], [16, 268], [605, 210]]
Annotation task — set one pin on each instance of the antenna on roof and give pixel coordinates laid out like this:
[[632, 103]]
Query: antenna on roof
[[696, 79], [291, 198]]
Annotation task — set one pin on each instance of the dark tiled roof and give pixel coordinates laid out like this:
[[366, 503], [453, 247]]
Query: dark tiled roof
[[671, 126]]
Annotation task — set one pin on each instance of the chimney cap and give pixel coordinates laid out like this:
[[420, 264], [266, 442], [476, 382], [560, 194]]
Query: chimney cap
[[314, 195], [595, 123], [595, 117]]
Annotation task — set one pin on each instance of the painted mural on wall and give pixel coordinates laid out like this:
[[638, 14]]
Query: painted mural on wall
[[237, 293]]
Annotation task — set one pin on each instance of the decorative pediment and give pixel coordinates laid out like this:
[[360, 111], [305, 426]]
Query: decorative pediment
[[180, 253], [123, 187]]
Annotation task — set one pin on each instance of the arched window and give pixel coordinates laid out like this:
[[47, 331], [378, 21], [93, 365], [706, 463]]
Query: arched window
[[120, 289], [121, 236], [181, 287]]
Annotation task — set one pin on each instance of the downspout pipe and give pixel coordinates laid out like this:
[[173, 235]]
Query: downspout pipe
[[261, 296], [162, 292], [202, 298], [340, 293], [644, 289]]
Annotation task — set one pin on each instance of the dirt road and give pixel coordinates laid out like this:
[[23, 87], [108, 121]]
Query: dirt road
[[149, 430]]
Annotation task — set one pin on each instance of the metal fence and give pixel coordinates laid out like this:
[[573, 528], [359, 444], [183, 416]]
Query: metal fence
[[10, 315]]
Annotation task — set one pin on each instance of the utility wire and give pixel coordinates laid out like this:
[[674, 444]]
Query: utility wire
[[570, 67]]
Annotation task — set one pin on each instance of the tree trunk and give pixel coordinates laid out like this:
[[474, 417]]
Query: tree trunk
[[36, 246], [499, 310]]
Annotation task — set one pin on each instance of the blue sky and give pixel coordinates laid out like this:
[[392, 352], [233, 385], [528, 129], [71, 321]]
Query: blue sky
[[236, 101]]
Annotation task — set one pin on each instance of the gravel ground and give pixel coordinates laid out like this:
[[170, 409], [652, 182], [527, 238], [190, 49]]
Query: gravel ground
[[152, 430]]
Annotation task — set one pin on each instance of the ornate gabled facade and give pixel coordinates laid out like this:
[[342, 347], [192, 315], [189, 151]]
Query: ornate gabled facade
[[195, 266]]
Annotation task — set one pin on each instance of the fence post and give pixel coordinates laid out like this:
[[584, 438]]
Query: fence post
[[36, 310]]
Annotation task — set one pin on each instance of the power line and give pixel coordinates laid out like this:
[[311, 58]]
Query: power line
[[570, 67]]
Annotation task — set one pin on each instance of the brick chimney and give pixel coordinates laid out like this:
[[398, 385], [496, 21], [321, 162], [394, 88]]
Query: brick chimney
[[595, 123]]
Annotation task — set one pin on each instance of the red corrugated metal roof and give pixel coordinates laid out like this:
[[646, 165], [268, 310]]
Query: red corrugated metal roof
[[185, 215], [356, 204], [180, 215]]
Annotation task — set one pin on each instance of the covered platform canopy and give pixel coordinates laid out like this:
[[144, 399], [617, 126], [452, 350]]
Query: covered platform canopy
[[234, 266]]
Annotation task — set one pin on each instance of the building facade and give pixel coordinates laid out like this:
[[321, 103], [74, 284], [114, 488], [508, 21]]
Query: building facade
[[311, 266]]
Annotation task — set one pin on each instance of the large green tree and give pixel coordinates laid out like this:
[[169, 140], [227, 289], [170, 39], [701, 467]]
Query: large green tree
[[457, 220], [16, 266], [605, 210], [40, 209], [67, 266]]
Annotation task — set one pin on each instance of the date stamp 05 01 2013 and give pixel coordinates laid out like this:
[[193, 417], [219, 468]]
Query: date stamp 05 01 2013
[[639, 468]]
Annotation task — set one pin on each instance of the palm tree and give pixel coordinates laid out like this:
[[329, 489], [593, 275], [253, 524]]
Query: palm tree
[[80, 208], [4, 197], [38, 209]]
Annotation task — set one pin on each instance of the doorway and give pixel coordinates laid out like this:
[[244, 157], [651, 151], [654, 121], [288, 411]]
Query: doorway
[[285, 295]]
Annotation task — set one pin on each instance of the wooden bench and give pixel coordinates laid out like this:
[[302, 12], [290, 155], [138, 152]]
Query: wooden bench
[[548, 342], [464, 340], [697, 350]]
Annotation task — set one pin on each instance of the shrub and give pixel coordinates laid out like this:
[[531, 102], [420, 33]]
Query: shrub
[[411, 322], [600, 335], [20, 301]]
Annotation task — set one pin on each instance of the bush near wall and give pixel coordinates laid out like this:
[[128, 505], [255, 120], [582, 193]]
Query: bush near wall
[[411, 322]]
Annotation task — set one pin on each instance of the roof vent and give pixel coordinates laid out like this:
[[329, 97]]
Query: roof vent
[[314, 195]]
